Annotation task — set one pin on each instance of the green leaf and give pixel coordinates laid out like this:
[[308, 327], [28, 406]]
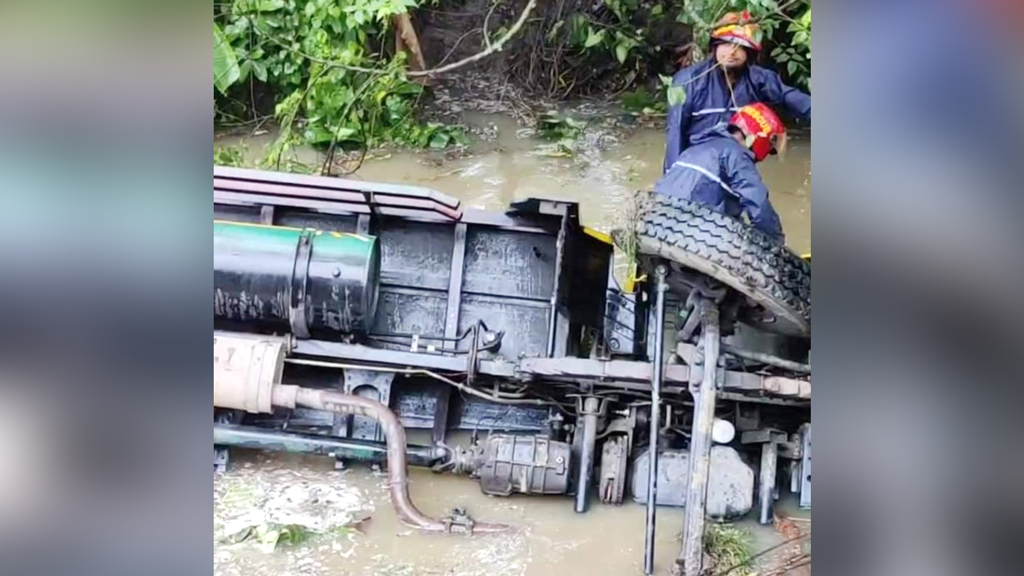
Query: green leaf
[[225, 64], [343, 133], [665, 80], [676, 96], [593, 38], [439, 141], [269, 5], [791, 67], [244, 69], [657, 10], [259, 70], [621, 51]]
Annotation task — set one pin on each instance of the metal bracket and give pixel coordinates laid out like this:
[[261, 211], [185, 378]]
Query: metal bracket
[[220, 453], [459, 521], [748, 416], [373, 385], [553, 320], [762, 436], [769, 440], [267, 214], [297, 313], [805, 468]]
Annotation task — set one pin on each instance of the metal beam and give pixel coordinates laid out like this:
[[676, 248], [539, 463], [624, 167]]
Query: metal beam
[[655, 426], [691, 556], [623, 374], [451, 323], [766, 488]]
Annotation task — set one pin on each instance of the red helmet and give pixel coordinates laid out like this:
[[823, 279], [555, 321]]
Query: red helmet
[[737, 28], [762, 130]]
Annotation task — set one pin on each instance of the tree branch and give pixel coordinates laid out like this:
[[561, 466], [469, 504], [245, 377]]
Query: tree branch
[[487, 36], [496, 46]]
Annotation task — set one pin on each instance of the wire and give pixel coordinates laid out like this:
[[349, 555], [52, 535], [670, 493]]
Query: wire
[[415, 371]]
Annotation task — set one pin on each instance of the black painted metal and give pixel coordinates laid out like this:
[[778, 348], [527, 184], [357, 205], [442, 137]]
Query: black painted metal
[[283, 279], [506, 274]]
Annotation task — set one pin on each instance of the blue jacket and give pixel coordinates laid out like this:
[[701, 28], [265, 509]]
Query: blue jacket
[[719, 172], [708, 101]]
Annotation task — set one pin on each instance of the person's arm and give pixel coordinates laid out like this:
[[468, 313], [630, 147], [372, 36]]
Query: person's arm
[[677, 123], [742, 176], [774, 92]]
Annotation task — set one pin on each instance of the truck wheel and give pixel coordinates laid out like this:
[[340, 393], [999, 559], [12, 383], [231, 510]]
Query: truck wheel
[[696, 237]]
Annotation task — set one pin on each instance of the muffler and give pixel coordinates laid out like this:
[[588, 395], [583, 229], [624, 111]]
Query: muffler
[[246, 376]]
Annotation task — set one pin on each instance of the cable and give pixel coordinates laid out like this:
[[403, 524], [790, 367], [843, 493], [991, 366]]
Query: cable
[[415, 371]]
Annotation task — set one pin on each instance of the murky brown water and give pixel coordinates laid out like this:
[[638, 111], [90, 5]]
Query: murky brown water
[[549, 537], [509, 168]]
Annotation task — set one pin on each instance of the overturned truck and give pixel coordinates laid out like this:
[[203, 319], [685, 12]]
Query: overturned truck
[[348, 313]]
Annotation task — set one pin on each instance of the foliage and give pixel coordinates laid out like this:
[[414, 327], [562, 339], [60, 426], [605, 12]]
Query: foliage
[[618, 31], [563, 133], [797, 56], [729, 547], [233, 156], [553, 125], [638, 34], [225, 64], [640, 101], [325, 64], [269, 535]]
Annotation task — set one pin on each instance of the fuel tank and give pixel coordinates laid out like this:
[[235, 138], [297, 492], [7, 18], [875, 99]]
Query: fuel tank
[[303, 281]]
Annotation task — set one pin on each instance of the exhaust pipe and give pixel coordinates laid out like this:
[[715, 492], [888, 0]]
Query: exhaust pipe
[[246, 376]]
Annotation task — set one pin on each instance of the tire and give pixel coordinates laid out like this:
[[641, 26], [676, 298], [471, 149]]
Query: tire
[[696, 237]]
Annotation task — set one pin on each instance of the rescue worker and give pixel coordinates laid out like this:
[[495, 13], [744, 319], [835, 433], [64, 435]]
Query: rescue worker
[[726, 81], [719, 168]]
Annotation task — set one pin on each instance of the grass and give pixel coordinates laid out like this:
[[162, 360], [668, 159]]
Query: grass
[[626, 229], [728, 546]]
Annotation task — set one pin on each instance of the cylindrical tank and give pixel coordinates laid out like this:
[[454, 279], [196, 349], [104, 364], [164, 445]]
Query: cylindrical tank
[[299, 280]]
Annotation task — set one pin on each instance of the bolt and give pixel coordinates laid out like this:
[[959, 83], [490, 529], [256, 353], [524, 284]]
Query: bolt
[[336, 272], [560, 459]]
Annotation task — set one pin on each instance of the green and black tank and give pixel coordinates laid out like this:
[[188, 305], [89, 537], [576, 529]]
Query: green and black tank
[[304, 281]]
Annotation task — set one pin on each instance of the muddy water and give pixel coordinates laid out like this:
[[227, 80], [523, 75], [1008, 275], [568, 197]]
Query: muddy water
[[506, 166], [549, 538]]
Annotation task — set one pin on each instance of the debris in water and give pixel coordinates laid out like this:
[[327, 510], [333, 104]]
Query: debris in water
[[271, 507]]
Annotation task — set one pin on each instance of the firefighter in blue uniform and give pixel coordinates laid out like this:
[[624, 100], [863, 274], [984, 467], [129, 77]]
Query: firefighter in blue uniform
[[728, 80], [719, 168]]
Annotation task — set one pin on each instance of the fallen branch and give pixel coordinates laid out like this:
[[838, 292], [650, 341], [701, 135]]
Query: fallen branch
[[496, 46]]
